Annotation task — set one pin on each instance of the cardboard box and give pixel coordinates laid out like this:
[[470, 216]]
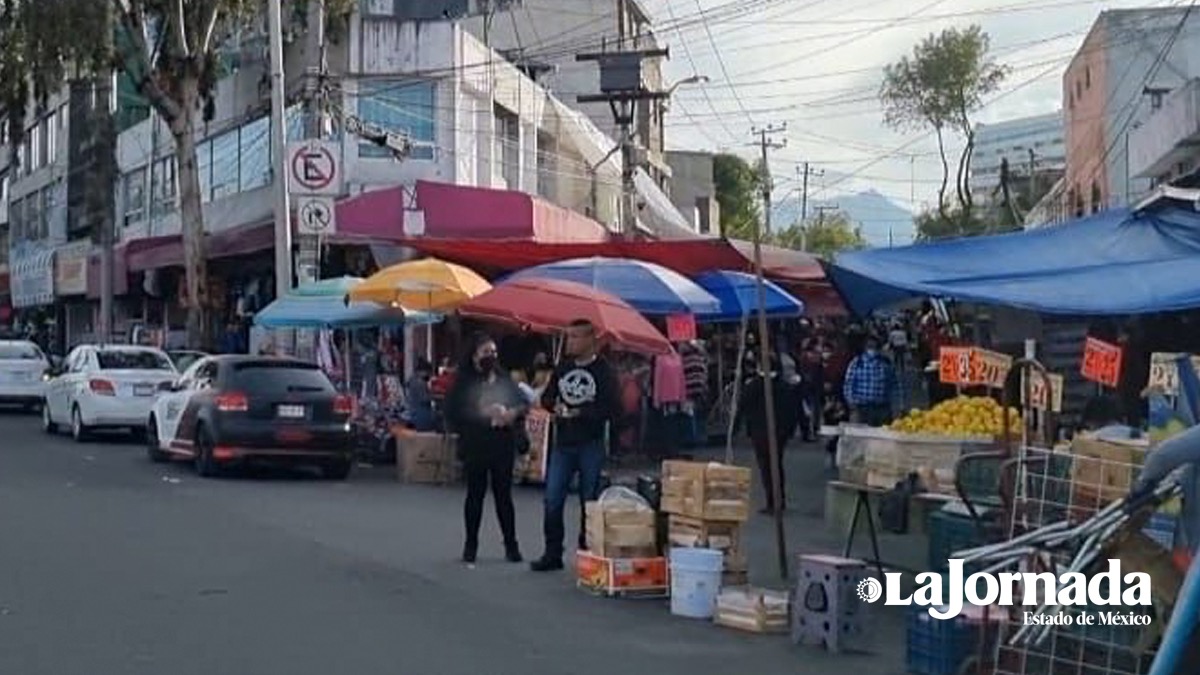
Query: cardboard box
[[622, 576], [1105, 470], [426, 458], [710, 491], [621, 532]]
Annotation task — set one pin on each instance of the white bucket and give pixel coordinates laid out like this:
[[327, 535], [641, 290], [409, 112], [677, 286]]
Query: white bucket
[[695, 581]]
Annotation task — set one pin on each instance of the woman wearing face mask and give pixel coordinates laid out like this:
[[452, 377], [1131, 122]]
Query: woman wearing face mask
[[486, 409]]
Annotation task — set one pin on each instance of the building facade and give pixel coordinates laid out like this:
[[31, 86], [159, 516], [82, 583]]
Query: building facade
[[693, 190], [1165, 147], [1118, 75], [1032, 146]]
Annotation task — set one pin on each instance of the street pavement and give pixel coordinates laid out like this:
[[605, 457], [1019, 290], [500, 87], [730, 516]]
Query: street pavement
[[111, 564]]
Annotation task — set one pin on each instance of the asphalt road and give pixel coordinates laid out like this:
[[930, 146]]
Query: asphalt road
[[110, 564]]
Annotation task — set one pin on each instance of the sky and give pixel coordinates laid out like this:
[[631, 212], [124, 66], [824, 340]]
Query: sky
[[817, 65]]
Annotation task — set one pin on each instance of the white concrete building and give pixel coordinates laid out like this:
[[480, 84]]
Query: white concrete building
[[1165, 146], [1028, 142]]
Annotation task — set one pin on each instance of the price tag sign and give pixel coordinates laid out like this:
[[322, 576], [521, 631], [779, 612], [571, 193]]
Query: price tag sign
[[1045, 398], [1101, 362], [1164, 373], [989, 368], [954, 365], [681, 327]]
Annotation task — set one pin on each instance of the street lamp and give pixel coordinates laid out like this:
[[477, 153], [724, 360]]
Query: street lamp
[[694, 79]]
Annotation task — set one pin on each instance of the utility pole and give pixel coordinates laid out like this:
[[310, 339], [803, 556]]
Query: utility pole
[[821, 212], [766, 143], [623, 86], [1032, 178], [804, 196], [103, 208], [308, 254], [283, 216]]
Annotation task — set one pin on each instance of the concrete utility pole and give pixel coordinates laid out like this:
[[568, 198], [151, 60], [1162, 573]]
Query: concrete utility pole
[[766, 144], [622, 86], [283, 216], [103, 188]]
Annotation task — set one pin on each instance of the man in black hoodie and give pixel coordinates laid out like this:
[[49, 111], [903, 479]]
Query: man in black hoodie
[[585, 398]]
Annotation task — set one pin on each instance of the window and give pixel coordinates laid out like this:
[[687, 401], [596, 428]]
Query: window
[[204, 165], [135, 196], [508, 132], [132, 359], [164, 186], [37, 148], [272, 378], [52, 137], [254, 156], [225, 165], [1097, 198], [401, 106], [34, 216], [1087, 77]]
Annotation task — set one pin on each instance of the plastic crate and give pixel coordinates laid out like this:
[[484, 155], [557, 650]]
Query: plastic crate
[[950, 532], [937, 647], [1161, 528]]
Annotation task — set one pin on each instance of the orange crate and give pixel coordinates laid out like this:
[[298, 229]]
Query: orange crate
[[643, 577]]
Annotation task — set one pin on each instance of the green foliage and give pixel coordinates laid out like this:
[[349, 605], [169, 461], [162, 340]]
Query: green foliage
[[824, 237], [738, 187], [932, 226], [939, 87]]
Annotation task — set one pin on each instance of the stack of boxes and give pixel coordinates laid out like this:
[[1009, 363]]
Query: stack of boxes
[[827, 606], [708, 503], [622, 556]]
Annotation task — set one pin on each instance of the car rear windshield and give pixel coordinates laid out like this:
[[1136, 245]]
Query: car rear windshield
[[115, 359], [280, 378], [20, 352]]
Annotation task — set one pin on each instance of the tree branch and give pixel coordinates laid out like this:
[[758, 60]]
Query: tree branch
[[180, 30], [209, 15], [142, 71]]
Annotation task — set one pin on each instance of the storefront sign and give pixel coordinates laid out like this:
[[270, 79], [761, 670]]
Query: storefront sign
[[1101, 362], [972, 366], [32, 271], [71, 270], [1045, 397], [1164, 372], [681, 327]]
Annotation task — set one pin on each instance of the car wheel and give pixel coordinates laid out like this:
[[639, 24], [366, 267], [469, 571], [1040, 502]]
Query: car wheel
[[338, 469], [48, 424], [206, 465], [79, 431], [153, 451]]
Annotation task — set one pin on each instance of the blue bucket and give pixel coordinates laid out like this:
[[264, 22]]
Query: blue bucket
[[695, 581]]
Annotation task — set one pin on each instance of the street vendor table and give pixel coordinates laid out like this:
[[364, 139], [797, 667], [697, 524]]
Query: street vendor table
[[866, 500]]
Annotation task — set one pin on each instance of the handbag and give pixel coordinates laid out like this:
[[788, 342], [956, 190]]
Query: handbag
[[521, 438]]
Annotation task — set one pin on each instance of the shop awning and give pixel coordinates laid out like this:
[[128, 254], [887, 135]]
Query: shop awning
[[1116, 262], [689, 257], [463, 212]]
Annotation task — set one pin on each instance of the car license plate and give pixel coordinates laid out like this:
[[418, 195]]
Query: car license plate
[[293, 436], [143, 390], [291, 412]]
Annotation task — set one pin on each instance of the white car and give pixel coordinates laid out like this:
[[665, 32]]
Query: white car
[[106, 387], [23, 368]]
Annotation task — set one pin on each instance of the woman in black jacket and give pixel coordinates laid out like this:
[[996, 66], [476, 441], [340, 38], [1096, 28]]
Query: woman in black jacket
[[486, 409]]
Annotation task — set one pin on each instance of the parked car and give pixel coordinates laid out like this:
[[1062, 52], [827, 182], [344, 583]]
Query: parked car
[[106, 387], [23, 368], [232, 410], [183, 358]]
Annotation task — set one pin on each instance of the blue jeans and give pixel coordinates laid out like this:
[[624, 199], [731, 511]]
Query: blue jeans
[[564, 462]]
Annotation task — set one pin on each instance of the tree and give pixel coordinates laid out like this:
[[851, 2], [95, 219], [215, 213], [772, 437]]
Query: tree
[[940, 86], [933, 225], [172, 61], [824, 237], [738, 186]]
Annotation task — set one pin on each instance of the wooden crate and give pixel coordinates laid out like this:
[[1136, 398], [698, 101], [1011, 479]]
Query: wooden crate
[[711, 490], [621, 533], [754, 610], [720, 535]]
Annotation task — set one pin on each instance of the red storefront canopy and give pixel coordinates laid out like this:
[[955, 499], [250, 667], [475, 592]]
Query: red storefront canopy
[[800, 273]]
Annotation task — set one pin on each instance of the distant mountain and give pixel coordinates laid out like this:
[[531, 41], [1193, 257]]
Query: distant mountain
[[883, 221]]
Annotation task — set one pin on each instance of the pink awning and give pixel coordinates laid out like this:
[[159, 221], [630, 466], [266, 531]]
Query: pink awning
[[461, 212]]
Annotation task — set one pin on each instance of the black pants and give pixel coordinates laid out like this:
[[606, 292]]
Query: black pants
[[762, 453], [494, 467]]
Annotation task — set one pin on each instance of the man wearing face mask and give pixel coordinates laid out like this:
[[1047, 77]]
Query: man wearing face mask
[[870, 386]]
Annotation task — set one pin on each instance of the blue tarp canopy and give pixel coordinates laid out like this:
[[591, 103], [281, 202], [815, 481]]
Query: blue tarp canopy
[[331, 311], [738, 294], [1115, 262]]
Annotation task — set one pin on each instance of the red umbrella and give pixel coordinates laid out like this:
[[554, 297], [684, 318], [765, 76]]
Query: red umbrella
[[549, 305]]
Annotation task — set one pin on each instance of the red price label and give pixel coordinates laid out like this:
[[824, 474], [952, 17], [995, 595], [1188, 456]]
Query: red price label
[[681, 328], [954, 365], [1101, 362], [989, 368]]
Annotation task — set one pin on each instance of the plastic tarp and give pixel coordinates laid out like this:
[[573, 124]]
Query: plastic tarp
[[1115, 262]]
